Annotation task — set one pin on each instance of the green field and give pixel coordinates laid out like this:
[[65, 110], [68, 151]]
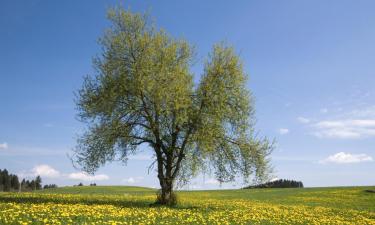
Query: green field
[[131, 205], [106, 190]]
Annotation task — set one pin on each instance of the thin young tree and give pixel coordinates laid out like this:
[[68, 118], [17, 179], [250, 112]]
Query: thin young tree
[[143, 92], [38, 183]]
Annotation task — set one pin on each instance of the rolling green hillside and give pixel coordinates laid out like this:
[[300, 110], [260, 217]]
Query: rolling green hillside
[[107, 190], [337, 197], [133, 205]]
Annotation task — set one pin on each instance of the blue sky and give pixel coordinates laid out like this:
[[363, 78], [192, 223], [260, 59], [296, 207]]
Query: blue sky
[[311, 67]]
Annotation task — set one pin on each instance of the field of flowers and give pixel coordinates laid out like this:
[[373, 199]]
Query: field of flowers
[[279, 206]]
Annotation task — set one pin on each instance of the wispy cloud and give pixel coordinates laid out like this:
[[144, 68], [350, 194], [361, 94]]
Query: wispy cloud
[[303, 119], [345, 129], [344, 158], [368, 112], [323, 110], [45, 171], [132, 180], [193, 186], [4, 145], [283, 131], [87, 177], [355, 124], [212, 181]]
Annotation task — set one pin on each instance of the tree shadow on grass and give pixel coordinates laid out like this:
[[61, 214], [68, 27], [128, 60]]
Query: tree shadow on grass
[[89, 201], [122, 203]]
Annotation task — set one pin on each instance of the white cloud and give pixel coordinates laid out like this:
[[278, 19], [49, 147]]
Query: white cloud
[[87, 177], [368, 112], [132, 180], [303, 120], [345, 129], [45, 171], [274, 179], [4, 145], [212, 181], [283, 131], [342, 158], [355, 124], [191, 186], [194, 186]]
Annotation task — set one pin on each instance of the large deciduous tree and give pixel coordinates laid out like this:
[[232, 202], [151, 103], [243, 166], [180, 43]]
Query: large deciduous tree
[[143, 92]]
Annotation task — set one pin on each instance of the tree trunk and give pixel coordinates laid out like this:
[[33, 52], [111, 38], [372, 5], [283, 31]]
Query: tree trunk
[[166, 178], [166, 195]]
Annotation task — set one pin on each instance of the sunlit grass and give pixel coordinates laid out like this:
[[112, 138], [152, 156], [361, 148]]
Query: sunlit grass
[[96, 205]]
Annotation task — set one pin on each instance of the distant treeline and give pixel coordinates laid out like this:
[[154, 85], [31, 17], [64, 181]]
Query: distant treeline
[[47, 186], [81, 184], [282, 183], [10, 182]]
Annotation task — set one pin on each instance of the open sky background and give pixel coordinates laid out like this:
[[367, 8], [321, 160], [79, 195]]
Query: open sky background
[[311, 67]]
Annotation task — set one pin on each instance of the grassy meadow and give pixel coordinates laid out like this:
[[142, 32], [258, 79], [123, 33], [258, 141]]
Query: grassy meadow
[[131, 205]]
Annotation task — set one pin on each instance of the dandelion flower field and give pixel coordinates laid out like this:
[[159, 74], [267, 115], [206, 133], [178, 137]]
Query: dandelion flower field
[[131, 205]]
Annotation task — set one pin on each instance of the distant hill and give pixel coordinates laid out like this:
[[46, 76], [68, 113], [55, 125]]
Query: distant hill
[[99, 190], [281, 183]]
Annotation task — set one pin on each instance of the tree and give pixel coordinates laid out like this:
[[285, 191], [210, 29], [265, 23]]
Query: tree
[[38, 183], [144, 93], [6, 180], [48, 186], [1, 180], [32, 185], [23, 184], [15, 182], [281, 183]]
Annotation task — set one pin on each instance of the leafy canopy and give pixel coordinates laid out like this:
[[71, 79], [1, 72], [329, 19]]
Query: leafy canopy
[[143, 92]]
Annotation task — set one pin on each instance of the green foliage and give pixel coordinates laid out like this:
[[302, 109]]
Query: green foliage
[[143, 93], [38, 183], [5, 180], [281, 183], [49, 186], [10, 182]]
